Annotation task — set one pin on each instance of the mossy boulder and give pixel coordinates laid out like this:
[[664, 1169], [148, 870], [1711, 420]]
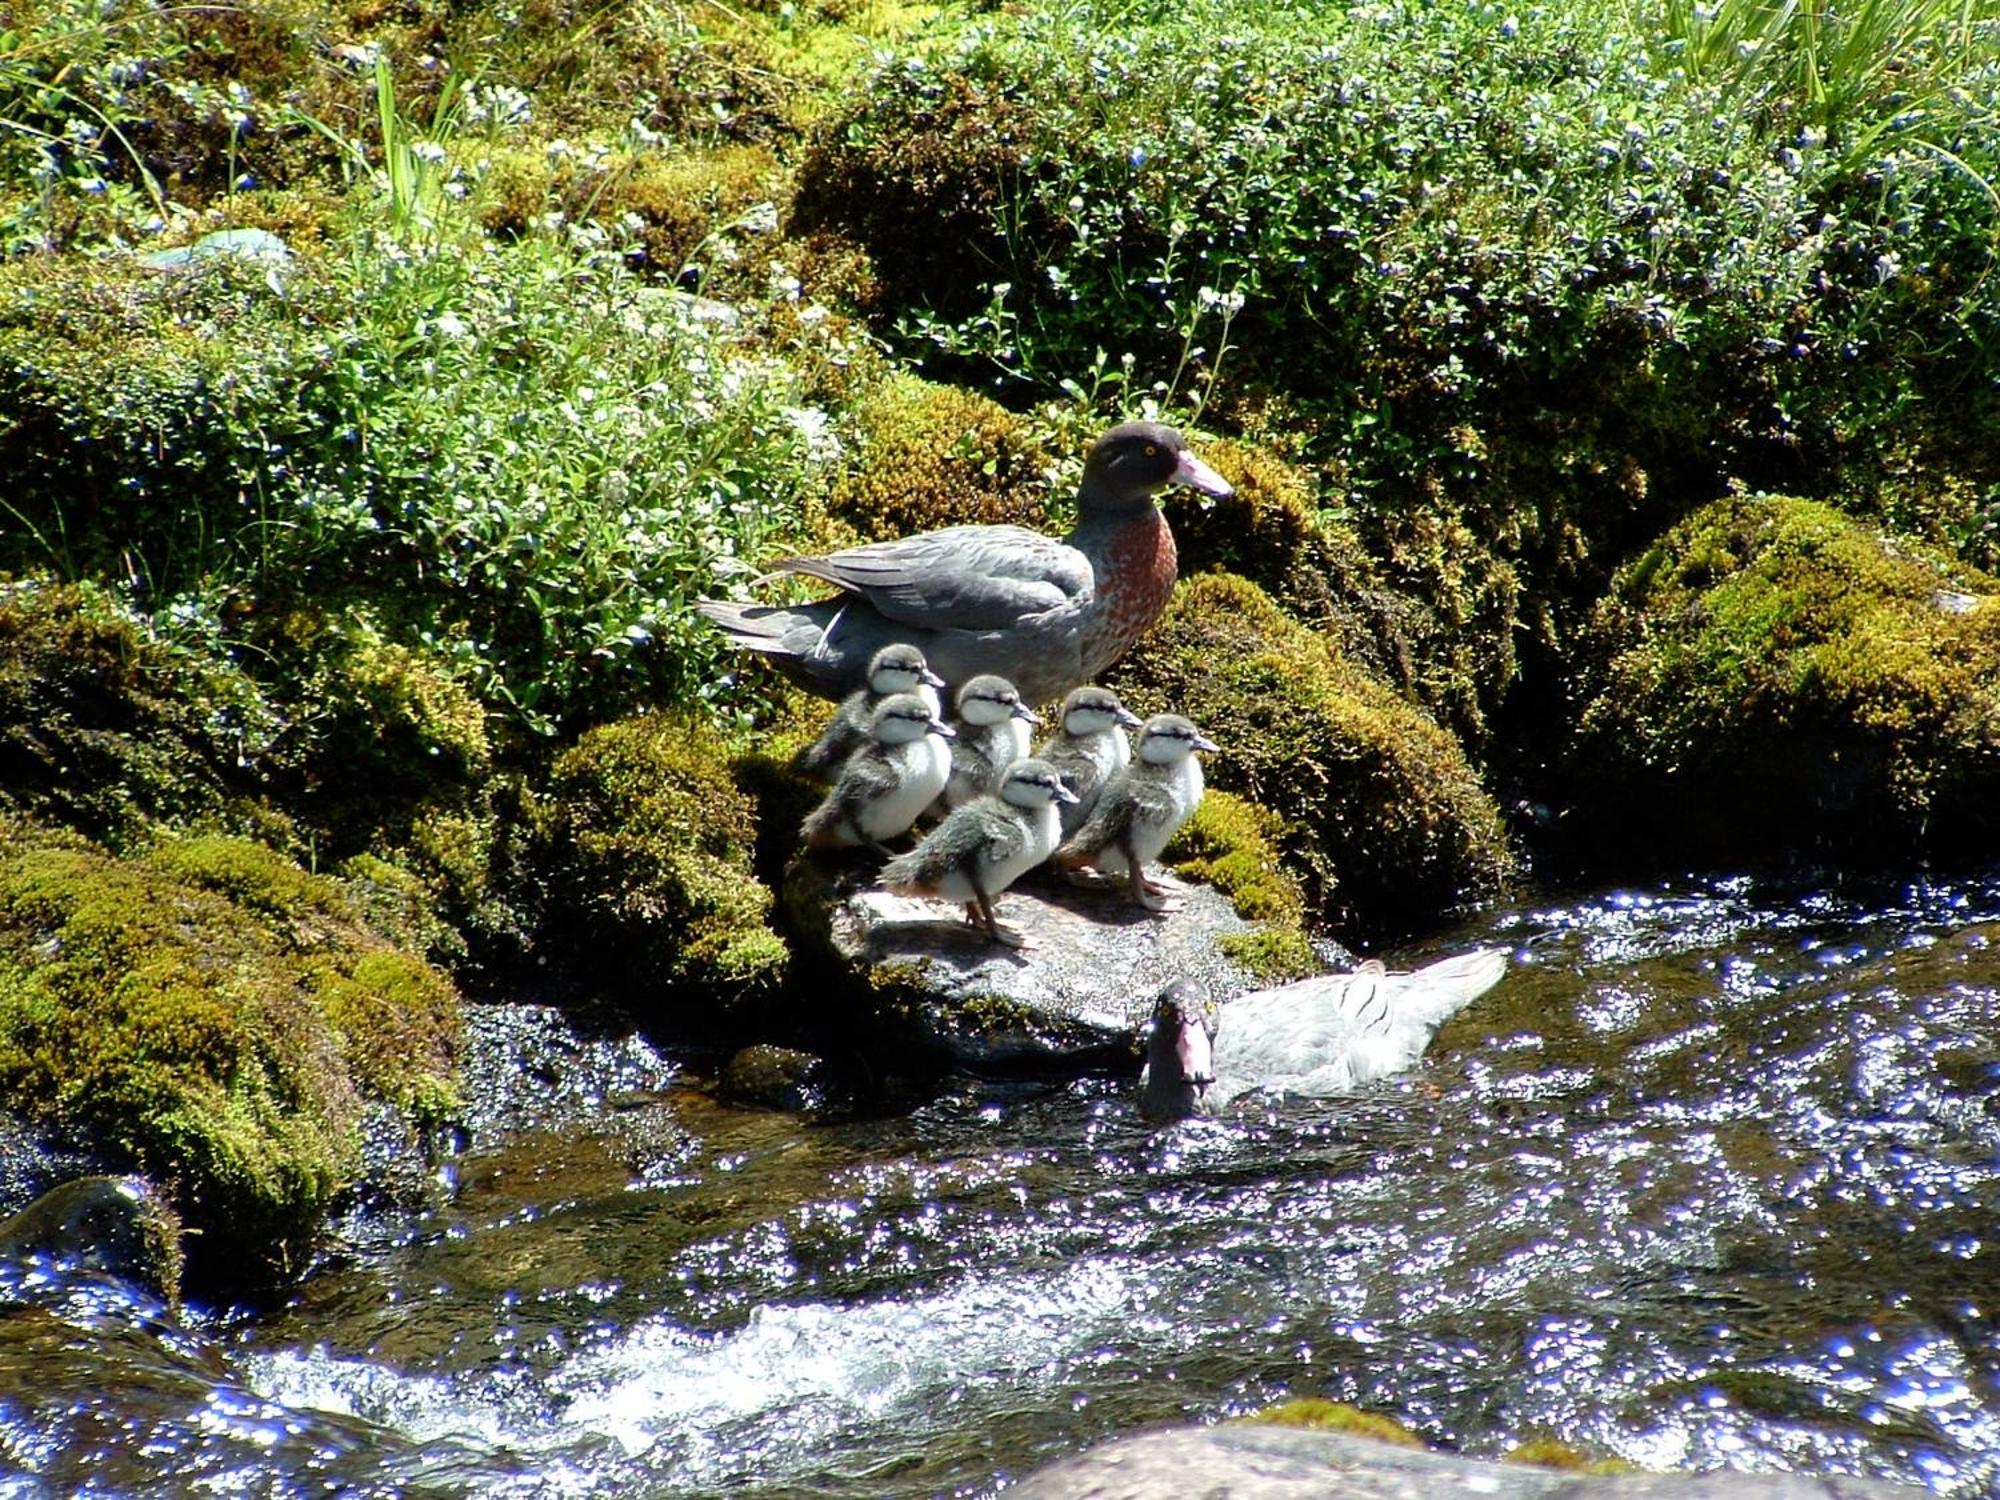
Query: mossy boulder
[[1279, 531], [385, 734], [1381, 816], [216, 1018], [1317, 1414], [933, 455], [111, 730], [648, 845], [1774, 676]]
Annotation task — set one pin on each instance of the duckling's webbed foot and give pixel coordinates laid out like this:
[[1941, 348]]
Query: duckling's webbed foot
[[1149, 895], [980, 912]]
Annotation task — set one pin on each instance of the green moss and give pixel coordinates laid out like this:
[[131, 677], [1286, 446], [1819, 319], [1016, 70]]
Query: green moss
[[1377, 811], [1271, 955], [1553, 1453], [932, 455], [214, 1017], [649, 842], [1320, 1415], [1278, 532], [1233, 845], [109, 729], [1773, 674]]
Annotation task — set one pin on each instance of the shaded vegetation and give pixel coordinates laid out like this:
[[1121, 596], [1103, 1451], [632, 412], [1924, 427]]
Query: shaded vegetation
[[109, 729]]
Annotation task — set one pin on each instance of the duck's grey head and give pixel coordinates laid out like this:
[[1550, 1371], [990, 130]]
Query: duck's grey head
[[902, 717], [1168, 739], [987, 699], [1032, 782], [900, 668], [1180, 1056], [1092, 710], [1134, 461]]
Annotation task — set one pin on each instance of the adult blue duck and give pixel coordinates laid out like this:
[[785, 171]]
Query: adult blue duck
[[1312, 1038], [1047, 615]]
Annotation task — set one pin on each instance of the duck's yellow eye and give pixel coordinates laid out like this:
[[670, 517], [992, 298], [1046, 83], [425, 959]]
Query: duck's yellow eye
[[1152, 450]]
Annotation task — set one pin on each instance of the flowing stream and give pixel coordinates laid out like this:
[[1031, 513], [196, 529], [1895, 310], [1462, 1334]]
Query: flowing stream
[[1710, 1180]]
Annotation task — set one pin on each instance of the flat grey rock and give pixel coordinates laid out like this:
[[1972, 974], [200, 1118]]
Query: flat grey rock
[[1256, 1461], [1075, 999]]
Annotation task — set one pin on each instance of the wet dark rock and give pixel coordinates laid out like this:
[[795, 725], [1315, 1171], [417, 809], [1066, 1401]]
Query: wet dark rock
[[114, 1225], [916, 973], [530, 1067], [1254, 1462], [775, 1078]]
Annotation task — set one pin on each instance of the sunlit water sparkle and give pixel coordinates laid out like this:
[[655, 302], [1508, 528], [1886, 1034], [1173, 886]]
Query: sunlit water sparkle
[[1706, 1182]]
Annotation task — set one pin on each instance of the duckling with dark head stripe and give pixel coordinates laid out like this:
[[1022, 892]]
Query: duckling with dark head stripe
[[985, 846]]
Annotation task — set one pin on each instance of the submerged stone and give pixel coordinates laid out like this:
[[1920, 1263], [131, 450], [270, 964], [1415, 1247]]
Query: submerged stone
[[781, 1078], [1251, 1461], [117, 1226]]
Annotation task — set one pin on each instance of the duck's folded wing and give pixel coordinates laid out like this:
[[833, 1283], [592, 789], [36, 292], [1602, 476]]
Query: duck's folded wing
[[1126, 798], [961, 578]]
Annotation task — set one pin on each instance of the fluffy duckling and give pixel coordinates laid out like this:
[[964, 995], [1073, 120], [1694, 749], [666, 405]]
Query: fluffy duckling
[[896, 668], [1141, 809], [887, 783], [985, 846], [1088, 748], [992, 734]]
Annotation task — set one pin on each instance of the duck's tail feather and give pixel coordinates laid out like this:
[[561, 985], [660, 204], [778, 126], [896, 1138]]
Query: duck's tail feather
[[1435, 993], [770, 630]]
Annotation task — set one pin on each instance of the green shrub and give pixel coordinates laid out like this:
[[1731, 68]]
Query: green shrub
[[1529, 288], [1379, 814], [527, 461], [211, 1015]]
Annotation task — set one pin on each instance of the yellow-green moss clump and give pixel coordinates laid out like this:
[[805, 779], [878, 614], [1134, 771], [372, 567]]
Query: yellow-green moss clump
[[649, 846], [932, 455], [1554, 1453], [1233, 845], [211, 1015], [1773, 673], [1381, 815], [106, 729], [1320, 1415]]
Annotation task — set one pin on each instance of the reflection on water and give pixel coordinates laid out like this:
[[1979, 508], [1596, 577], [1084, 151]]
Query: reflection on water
[[1700, 1184]]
